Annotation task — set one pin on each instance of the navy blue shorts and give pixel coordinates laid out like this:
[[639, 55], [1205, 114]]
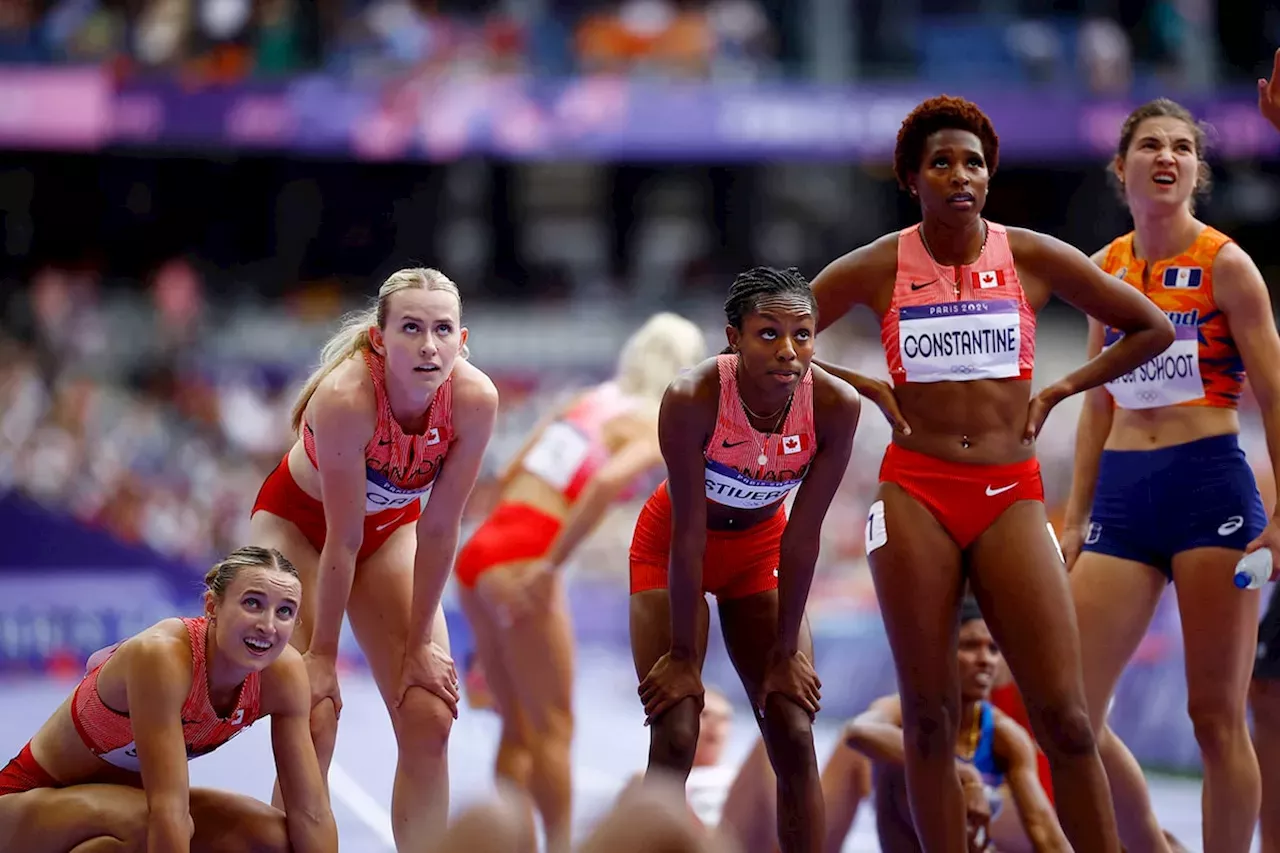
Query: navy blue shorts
[[1152, 504]]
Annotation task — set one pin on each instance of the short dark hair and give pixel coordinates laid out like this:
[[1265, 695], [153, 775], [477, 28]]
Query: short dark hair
[[942, 113]]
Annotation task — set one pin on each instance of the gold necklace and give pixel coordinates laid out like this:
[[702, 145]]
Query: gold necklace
[[763, 458], [986, 232]]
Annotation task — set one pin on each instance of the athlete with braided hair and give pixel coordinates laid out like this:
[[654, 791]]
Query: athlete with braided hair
[[738, 433], [961, 496]]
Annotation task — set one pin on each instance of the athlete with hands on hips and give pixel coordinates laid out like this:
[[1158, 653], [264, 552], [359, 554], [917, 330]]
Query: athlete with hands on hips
[[961, 498]]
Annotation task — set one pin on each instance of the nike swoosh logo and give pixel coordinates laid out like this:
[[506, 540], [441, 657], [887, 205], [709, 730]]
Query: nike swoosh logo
[[726, 443], [381, 527], [915, 286], [991, 493]]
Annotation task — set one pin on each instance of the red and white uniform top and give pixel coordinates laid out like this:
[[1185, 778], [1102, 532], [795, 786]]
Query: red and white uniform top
[[942, 329], [399, 468], [572, 449], [748, 469], [109, 733]]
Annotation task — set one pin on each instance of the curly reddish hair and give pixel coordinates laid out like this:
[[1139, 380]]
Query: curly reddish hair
[[941, 113]]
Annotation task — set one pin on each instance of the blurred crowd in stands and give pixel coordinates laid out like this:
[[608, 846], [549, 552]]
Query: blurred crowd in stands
[[1100, 44]]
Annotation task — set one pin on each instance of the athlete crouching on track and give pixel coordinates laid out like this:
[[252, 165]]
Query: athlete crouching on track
[[738, 433], [107, 773], [961, 495]]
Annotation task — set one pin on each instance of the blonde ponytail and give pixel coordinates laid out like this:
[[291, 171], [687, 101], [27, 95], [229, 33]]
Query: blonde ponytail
[[352, 336], [656, 354]]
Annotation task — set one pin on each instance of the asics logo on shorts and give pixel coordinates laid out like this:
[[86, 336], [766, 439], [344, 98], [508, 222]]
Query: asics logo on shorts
[[1093, 534], [1231, 525], [991, 493]]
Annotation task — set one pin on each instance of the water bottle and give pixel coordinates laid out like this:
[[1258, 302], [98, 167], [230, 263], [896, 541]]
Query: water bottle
[[1254, 569]]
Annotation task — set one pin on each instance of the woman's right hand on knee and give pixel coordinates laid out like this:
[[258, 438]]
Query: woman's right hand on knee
[[322, 672], [671, 680]]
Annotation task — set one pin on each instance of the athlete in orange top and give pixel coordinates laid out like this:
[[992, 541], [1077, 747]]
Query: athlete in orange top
[[108, 771], [553, 494], [960, 494], [739, 433], [368, 505], [1162, 490]]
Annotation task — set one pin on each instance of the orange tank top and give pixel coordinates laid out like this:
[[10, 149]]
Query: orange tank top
[[572, 449], [1202, 367], [748, 469], [399, 468], [109, 733], [942, 329]]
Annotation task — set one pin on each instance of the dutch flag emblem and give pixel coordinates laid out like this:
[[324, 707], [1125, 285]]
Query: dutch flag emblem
[[1182, 277]]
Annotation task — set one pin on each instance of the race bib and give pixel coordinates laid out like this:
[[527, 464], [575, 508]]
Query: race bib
[[557, 455], [733, 488], [960, 341], [1171, 377], [381, 494]]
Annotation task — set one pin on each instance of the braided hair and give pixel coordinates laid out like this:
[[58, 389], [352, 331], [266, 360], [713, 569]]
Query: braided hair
[[749, 287]]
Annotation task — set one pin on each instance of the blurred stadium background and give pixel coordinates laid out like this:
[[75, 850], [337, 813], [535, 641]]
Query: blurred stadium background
[[192, 191]]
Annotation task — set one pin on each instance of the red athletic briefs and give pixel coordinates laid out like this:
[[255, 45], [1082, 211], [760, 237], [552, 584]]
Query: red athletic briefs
[[735, 564], [24, 774], [514, 532], [966, 499], [281, 495]]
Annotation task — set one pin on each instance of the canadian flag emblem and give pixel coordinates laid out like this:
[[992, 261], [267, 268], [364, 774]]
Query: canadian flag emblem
[[793, 444], [238, 717], [433, 435], [991, 278]]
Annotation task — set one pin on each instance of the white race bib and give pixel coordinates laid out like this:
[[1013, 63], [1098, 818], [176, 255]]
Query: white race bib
[[1171, 377], [124, 757], [731, 488], [557, 455], [381, 494], [960, 341]]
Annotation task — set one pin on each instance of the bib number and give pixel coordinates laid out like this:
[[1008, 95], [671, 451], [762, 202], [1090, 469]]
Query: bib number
[[557, 455], [1170, 378]]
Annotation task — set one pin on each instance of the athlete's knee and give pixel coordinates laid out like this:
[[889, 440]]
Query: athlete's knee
[[122, 818], [790, 733], [1063, 730], [555, 735], [929, 726], [423, 722], [1217, 720], [678, 729]]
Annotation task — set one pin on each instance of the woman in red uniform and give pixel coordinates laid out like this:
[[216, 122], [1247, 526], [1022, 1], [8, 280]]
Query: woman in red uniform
[[107, 773], [738, 434], [366, 508], [552, 496], [1162, 491], [961, 495]]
